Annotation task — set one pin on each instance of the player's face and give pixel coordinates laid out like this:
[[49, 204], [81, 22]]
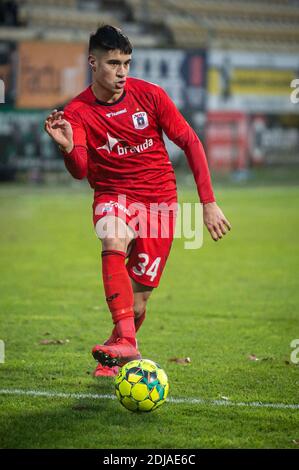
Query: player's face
[[110, 70]]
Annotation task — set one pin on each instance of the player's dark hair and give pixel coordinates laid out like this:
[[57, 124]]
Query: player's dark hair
[[109, 38]]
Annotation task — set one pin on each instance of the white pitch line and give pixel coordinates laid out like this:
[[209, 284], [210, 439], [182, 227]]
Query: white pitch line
[[37, 393], [188, 401]]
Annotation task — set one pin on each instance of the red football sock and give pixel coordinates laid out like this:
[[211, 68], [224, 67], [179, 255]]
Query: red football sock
[[114, 335], [119, 293]]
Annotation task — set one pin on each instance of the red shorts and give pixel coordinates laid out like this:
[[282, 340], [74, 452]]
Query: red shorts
[[153, 226]]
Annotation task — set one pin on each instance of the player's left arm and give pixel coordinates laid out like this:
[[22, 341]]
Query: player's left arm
[[178, 130]]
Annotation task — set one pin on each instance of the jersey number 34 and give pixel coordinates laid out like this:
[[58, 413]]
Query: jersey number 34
[[142, 267]]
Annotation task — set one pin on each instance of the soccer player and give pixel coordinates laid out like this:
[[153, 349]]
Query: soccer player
[[112, 133]]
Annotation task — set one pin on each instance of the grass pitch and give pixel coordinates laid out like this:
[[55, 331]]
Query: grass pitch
[[232, 307]]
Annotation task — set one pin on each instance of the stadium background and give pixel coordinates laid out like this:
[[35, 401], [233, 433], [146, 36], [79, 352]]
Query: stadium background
[[228, 65]]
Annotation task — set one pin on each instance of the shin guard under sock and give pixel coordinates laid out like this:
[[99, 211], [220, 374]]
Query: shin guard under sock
[[119, 293]]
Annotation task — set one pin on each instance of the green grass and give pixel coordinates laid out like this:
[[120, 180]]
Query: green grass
[[216, 305]]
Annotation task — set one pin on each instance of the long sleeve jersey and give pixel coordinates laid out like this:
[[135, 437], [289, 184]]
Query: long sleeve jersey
[[119, 146]]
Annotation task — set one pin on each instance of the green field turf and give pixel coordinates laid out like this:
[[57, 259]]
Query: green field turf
[[217, 305]]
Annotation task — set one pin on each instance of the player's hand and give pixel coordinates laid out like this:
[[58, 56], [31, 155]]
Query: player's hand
[[60, 130], [215, 221]]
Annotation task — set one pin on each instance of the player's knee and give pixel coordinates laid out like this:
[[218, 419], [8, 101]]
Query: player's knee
[[113, 244]]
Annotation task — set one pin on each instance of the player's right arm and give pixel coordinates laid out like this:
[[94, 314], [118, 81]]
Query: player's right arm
[[65, 136]]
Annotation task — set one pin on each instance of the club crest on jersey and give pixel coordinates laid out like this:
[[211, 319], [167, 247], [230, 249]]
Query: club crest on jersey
[[140, 120]]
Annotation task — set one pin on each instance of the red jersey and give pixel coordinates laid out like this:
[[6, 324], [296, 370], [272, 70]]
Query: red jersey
[[120, 146]]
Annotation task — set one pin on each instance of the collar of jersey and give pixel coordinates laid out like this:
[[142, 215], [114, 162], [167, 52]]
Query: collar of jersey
[[104, 103]]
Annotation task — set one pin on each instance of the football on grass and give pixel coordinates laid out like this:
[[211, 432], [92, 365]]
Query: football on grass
[[141, 385]]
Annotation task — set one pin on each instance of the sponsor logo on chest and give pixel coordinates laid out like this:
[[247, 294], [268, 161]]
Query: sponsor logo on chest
[[140, 120], [115, 145]]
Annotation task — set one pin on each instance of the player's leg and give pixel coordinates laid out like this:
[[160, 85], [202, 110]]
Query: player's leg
[[145, 266], [118, 244], [118, 291], [140, 291], [117, 284], [148, 258], [141, 296]]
